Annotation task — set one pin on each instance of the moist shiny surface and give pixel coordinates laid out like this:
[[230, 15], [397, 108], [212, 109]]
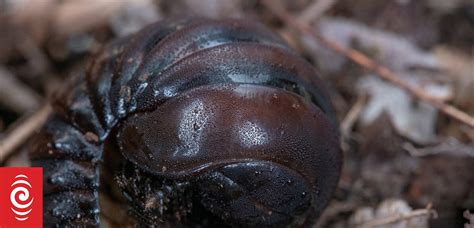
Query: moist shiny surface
[[203, 122], [222, 124]]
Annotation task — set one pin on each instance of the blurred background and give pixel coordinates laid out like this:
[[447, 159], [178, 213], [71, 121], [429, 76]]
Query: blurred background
[[406, 164]]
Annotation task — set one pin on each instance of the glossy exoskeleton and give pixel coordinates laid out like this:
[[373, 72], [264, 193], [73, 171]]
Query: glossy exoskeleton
[[194, 122]]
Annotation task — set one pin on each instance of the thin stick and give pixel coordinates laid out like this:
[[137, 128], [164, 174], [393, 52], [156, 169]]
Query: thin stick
[[427, 212], [348, 122], [369, 64], [332, 211], [15, 95], [22, 132], [316, 10], [448, 146]]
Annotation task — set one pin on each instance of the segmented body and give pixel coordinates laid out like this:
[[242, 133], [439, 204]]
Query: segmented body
[[224, 108]]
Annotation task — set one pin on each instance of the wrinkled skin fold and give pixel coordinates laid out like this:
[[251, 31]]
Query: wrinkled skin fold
[[197, 122]]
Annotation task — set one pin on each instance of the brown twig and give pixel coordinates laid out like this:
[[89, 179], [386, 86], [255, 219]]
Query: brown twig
[[448, 146], [348, 122], [22, 132], [428, 212], [15, 95], [316, 10], [84, 14], [369, 64], [333, 210], [352, 116]]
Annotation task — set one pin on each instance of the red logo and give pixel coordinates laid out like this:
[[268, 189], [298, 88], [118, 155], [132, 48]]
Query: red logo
[[21, 197]]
